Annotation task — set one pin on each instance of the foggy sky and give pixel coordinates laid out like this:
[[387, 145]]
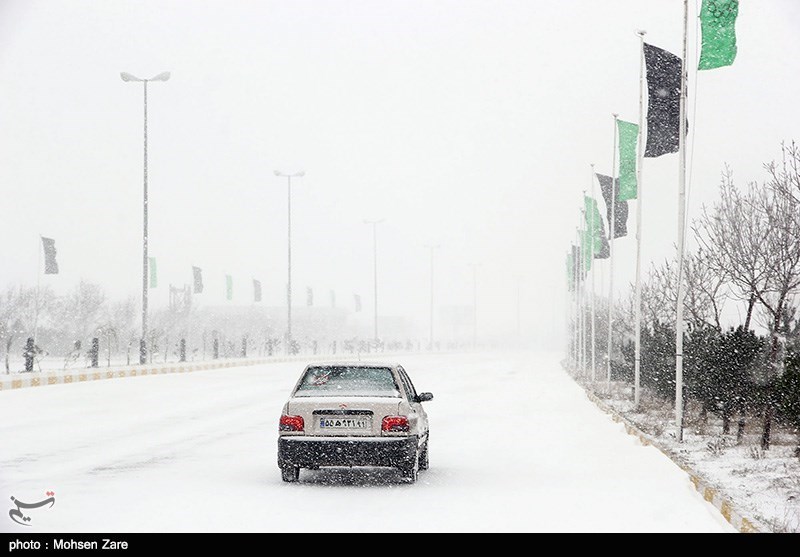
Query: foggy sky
[[466, 124]]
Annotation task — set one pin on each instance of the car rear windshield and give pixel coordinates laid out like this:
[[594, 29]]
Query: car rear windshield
[[349, 381]]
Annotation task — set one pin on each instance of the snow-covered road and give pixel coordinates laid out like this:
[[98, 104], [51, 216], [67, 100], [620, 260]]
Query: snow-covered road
[[515, 446]]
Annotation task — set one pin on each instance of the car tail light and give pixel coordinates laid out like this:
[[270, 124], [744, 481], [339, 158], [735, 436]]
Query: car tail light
[[394, 423], [291, 423]]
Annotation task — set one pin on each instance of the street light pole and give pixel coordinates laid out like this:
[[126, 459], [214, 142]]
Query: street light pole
[[432, 248], [474, 304], [519, 313], [375, 224], [164, 76], [289, 252]]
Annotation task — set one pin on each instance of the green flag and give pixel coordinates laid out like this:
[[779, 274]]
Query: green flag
[[594, 226], [587, 248], [151, 264], [718, 20], [229, 287], [594, 222], [628, 135]]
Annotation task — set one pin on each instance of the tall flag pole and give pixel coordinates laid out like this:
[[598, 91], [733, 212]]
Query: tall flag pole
[[666, 133], [582, 314], [50, 268], [596, 238], [594, 227], [40, 248], [612, 225], [637, 358], [573, 279], [681, 232], [574, 317], [567, 307], [577, 256]]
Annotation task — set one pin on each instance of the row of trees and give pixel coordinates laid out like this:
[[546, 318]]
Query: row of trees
[[65, 327], [745, 272]]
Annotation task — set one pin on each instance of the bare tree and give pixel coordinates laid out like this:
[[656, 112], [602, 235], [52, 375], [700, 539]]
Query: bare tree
[[753, 237], [786, 177], [8, 313], [658, 295], [17, 311], [116, 324], [81, 312], [734, 236], [779, 205], [705, 295], [704, 288]]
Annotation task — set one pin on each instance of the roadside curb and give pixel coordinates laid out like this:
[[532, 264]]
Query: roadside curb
[[43, 379], [711, 494]]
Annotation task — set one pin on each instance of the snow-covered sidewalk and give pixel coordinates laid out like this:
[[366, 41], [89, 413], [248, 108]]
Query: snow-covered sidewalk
[[764, 485]]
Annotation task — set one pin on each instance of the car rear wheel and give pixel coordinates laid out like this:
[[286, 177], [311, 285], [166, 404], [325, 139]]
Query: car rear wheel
[[290, 473], [409, 471], [424, 461]]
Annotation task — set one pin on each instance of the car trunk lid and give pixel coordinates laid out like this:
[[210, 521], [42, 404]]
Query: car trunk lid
[[343, 416]]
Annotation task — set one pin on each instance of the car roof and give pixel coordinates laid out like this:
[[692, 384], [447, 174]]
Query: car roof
[[354, 364]]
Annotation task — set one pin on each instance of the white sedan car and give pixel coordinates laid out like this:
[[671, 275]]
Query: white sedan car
[[354, 414]]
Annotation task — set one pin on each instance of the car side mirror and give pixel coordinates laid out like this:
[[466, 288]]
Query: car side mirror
[[424, 397]]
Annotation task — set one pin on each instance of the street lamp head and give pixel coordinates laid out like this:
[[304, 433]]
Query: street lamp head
[[129, 77], [163, 76], [287, 175]]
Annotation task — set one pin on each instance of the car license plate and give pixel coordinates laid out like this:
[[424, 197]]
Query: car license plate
[[344, 422]]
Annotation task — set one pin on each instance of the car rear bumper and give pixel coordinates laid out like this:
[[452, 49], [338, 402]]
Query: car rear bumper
[[346, 451]]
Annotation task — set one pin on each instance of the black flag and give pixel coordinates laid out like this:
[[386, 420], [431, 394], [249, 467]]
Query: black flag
[[256, 290], [664, 101], [605, 249], [621, 209], [50, 263], [198, 280]]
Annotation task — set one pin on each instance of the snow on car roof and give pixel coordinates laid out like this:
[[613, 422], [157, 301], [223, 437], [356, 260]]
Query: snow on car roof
[[354, 364]]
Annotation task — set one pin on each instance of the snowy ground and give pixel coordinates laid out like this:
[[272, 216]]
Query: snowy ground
[[764, 485], [515, 446]]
